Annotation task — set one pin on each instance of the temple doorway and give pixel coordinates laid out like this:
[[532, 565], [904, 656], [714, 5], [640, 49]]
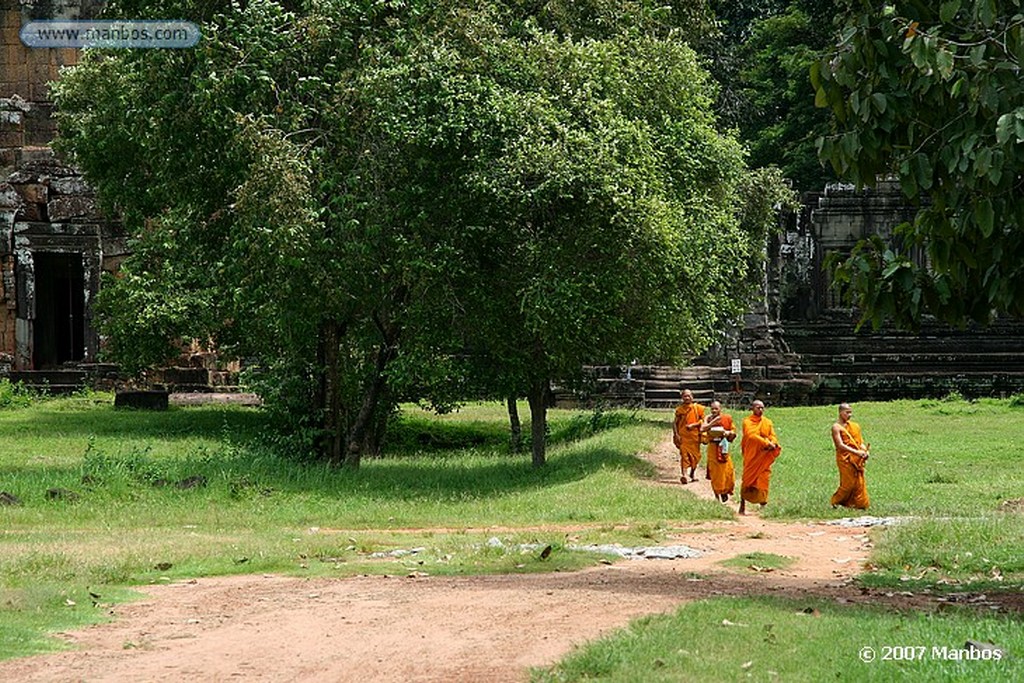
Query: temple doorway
[[59, 326]]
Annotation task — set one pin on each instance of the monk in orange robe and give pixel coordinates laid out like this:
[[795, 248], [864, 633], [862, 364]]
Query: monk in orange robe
[[720, 467], [851, 456], [760, 447], [686, 434]]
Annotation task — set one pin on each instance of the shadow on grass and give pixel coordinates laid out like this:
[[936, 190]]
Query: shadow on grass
[[241, 472], [106, 421]]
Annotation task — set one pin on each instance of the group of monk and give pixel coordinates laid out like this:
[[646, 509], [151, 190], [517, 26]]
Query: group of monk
[[759, 447]]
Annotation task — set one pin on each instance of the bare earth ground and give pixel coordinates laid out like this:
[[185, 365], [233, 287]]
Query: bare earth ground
[[421, 628]]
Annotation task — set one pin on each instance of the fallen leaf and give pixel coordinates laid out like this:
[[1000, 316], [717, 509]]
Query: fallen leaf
[[746, 665]]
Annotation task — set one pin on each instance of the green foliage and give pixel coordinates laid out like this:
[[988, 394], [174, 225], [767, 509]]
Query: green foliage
[[781, 124], [583, 426], [14, 395], [931, 95], [376, 202], [760, 57]]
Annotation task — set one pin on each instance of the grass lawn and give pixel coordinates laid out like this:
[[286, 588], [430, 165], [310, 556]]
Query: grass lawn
[[111, 499], [767, 639]]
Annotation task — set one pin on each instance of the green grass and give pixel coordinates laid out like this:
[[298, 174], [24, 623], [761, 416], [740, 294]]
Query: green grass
[[759, 562], [928, 458], [764, 639], [948, 465], [448, 484]]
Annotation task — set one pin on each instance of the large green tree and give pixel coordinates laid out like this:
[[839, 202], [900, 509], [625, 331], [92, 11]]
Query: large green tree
[[374, 200], [931, 94]]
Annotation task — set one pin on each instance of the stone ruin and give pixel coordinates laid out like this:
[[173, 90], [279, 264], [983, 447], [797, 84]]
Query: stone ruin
[[799, 345], [55, 241]]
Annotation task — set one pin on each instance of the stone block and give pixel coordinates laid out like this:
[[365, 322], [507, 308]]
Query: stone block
[[36, 156], [9, 198], [8, 158], [32, 193], [142, 400], [11, 138], [66, 208], [31, 212], [73, 185]]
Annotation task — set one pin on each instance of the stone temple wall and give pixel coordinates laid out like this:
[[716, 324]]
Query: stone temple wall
[[844, 363], [54, 242]]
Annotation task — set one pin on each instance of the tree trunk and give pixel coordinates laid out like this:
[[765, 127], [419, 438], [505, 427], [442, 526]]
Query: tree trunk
[[515, 427], [331, 389], [537, 397], [368, 411], [373, 439]]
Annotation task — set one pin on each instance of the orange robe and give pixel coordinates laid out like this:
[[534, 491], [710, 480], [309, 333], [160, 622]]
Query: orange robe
[[758, 456], [720, 467], [688, 440], [853, 490]]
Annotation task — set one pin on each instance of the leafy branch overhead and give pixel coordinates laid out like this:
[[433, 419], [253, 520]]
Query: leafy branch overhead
[[932, 94]]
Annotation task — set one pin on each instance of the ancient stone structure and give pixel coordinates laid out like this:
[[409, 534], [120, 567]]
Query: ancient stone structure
[[54, 243], [799, 345], [849, 364]]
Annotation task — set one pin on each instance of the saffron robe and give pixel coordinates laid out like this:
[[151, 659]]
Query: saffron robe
[[720, 467], [688, 440], [853, 490], [759, 452]]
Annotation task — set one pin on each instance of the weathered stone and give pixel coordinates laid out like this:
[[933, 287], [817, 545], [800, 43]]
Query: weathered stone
[[67, 208], [142, 400], [31, 193], [31, 212], [74, 185], [9, 198]]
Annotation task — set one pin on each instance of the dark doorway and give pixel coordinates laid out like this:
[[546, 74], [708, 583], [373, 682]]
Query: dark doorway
[[59, 326]]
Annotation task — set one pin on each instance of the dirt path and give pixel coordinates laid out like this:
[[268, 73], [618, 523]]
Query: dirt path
[[493, 628]]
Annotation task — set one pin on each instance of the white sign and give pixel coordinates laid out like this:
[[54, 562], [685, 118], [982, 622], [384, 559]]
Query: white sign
[[737, 366]]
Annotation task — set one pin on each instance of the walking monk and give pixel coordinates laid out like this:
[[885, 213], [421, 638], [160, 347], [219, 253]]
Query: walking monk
[[686, 434], [720, 431], [851, 456], [760, 448]]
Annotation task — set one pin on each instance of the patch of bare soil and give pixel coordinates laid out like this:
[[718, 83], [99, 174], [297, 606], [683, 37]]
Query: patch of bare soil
[[493, 628]]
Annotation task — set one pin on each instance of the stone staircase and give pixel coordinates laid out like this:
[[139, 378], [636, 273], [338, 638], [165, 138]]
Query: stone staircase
[[889, 364], [67, 380], [658, 386], [106, 377]]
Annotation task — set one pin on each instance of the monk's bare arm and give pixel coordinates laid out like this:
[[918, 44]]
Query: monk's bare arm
[[837, 438]]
